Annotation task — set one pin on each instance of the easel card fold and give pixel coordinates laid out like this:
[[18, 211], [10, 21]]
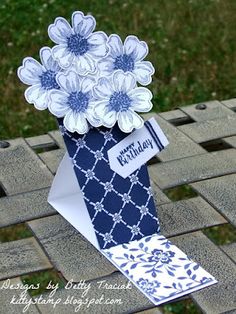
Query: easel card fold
[[151, 262]]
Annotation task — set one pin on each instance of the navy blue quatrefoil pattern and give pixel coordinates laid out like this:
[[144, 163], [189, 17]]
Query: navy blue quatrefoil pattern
[[121, 209]]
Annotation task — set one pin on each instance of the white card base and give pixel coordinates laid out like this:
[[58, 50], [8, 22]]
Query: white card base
[[66, 197]]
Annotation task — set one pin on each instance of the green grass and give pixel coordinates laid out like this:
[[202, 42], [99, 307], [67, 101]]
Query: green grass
[[181, 307], [43, 278], [13, 233], [192, 46], [181, 192], [220, 235]]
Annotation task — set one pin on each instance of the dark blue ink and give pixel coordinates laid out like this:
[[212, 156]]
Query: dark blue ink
[[124, 62], [48, 80], [78, 101], [77, 44]]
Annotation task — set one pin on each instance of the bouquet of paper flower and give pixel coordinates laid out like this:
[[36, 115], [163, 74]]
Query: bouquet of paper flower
[[89, 78]]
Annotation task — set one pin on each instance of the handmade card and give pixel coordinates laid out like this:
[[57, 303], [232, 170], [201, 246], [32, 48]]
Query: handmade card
[[93, 84]]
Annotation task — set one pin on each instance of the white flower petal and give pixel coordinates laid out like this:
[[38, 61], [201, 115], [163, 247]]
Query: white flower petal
[[141, 99], [38, 96], [58, 105], [128, 120], [115, 45], [100, 109], [138, 49], [142, 106], [140, 94], [62, 55], [70, 81], [76, 122], [83, 25], [124, 81], [106, 66], [30, 72], [98, 47], [109, 119], [84, 64], [143, 71], [137, 120], [59, 30], [87, 84], [90, 115], [104, 88], [47, 60]]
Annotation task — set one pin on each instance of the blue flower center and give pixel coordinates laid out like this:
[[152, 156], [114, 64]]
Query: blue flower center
[[48, 80], [77, 44], [124, 62], [78, 101], [119, 101]]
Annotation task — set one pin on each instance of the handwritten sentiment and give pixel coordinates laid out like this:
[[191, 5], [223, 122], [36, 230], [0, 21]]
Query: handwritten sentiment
[[133, 150]]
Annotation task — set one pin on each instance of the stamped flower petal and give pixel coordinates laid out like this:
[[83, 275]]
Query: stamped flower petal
[[58, 105], [137, 120], [100, 109], [75, 121], [38, 96], [115, 45], [85, 64], [62, 55], [142, 106], [69, 82], [90, 115], [128, 120], [87, 84], [143, 71], [109, 119], [133, 46], [97, 42], [30, 72], [123, 81], [83, 24], [47, 60], [104, 88], [59, 31], [106, 66], [141, 99]]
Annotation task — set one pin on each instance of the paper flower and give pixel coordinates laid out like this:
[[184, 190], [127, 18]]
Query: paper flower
[[41, 77], [128, 58], [74, 102], [77, 45], [87, 77], [118, 98]]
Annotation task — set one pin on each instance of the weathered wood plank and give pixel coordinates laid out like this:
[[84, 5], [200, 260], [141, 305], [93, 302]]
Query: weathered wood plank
[[21, 257], [220, 297], [21, 170], [210, 130], [52, 159], [209, 110], [194, 168], [25, 206], [68, 250], [40, 141], [7, 295], [187, 216], [221, 193]]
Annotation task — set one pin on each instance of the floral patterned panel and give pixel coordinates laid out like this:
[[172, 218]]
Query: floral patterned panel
[[158, 268]]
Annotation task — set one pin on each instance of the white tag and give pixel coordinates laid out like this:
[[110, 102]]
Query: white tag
[[137, 148]]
